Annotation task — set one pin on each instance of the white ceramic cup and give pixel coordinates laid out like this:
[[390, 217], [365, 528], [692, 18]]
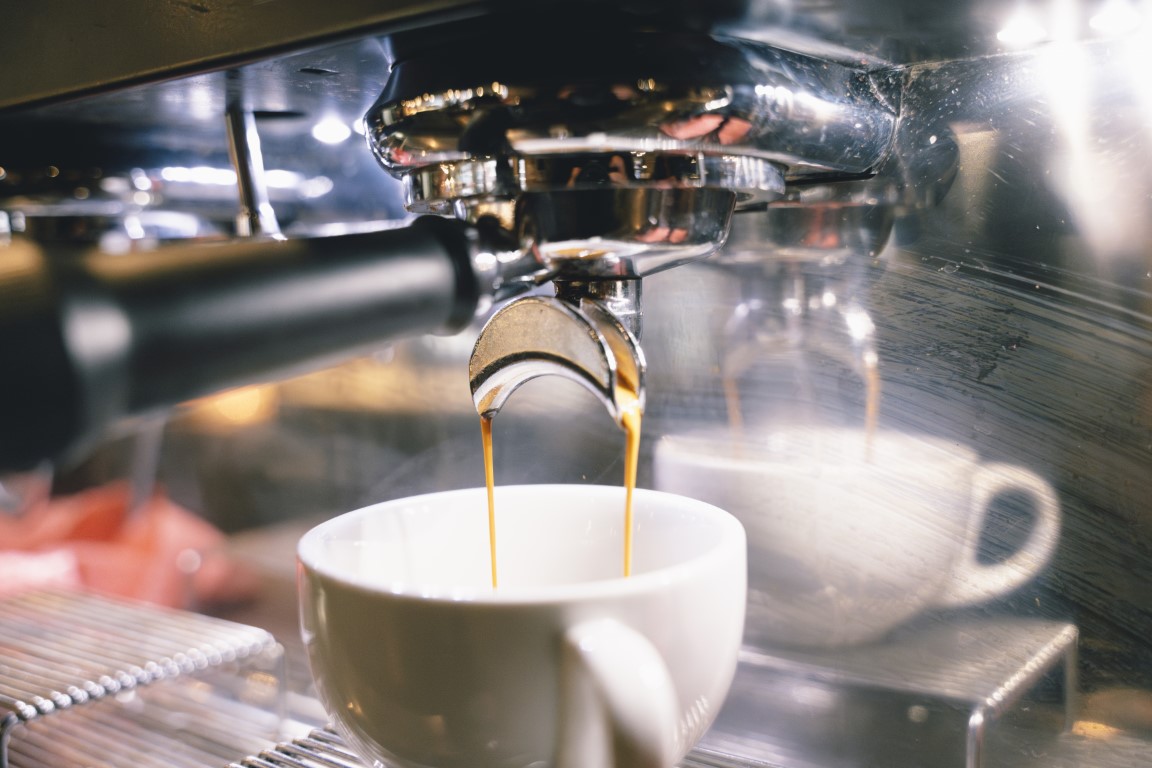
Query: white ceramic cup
[[420, 662], [846, 543]]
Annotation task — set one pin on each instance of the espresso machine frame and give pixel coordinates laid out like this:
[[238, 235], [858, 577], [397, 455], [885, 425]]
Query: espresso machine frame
[[1003, 260]]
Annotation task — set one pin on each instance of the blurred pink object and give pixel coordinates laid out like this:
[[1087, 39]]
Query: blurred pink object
[[161, 553]]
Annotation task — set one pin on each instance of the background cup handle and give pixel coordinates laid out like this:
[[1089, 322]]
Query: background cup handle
[[973, 582], [618, 706]]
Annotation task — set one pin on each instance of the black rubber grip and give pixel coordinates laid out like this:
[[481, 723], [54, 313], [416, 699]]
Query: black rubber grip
[[102, 336]]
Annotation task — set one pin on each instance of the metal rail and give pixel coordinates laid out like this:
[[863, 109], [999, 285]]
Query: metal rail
[[94, 680]]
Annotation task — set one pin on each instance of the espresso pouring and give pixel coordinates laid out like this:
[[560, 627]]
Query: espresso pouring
[[628, 401]]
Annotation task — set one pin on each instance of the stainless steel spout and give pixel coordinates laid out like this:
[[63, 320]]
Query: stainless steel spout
[[578, 338]]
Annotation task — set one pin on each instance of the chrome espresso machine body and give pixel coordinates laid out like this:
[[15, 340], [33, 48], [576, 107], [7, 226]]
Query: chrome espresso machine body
[[382, 222]]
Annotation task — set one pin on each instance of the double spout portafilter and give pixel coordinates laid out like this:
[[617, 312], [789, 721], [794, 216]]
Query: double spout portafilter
[[602, 164]]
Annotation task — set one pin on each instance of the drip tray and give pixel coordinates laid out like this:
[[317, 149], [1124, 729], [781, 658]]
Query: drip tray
[[993, 694], [92, 680], [963, 694], [321, 748]]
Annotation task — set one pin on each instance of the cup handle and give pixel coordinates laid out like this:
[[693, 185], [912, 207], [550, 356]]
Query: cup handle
[[973, 582], [617, 701]]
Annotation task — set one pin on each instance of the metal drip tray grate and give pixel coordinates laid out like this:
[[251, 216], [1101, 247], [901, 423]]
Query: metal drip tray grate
[[98, 681], [322, 748]]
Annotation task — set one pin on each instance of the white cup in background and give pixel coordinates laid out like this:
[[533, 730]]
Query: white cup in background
[[419, 662], [845, 543]]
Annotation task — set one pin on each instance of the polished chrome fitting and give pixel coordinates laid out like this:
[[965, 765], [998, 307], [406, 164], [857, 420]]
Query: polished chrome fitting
[[582, 340], [670, 93], [620, 160]]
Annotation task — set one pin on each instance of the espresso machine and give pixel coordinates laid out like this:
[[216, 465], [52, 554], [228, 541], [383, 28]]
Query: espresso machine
[[281, 258]]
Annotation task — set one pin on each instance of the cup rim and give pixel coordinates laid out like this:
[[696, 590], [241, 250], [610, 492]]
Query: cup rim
[[732, 537]]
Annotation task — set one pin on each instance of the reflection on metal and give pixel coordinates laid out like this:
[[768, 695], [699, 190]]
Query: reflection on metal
[[578, 339], [609, 234], [962, 694], [89, 677], [435, 188], [321, 748], [667, 93], [802, 263], [628, 163]]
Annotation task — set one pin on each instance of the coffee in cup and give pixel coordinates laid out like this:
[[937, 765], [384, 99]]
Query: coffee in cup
[[421, 662]]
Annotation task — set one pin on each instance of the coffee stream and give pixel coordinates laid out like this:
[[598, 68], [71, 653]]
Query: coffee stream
[[628, 401], [490, 482]]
